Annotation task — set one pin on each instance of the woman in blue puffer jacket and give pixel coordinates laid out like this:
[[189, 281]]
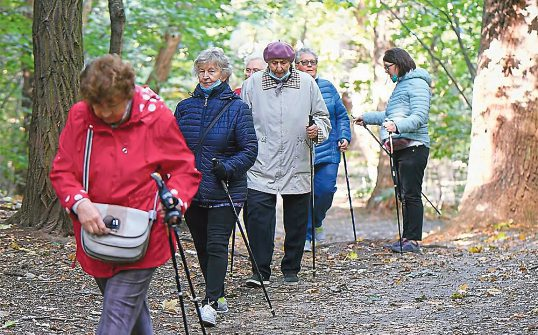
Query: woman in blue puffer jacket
[[406, 119], [216, 124], [328, 153]]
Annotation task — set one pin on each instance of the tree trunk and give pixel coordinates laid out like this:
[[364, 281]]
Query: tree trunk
[[163, 63], [502, 182], [117, 25], [57, 40]]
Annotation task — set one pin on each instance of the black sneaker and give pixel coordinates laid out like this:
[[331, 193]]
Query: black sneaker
[[291, 279], [254, 282]]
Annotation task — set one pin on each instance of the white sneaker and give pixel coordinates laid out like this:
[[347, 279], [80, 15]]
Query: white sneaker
[[307, 246], [209, 316]]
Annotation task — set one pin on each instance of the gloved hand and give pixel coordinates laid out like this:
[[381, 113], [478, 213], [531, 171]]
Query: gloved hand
[[218, 170]]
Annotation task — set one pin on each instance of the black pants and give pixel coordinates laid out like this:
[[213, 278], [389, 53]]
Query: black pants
[[410, 164], [261, 222], [211, 229]]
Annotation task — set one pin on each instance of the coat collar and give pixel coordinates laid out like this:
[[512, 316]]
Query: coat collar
[[294, 80]]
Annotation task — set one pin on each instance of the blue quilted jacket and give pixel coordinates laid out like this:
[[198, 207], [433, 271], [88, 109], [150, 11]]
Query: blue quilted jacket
[[408, 107], [232, 140], [328, 152]]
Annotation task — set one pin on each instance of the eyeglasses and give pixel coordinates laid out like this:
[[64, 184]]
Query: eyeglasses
[[387, 67], [307, 62], [210, 72]]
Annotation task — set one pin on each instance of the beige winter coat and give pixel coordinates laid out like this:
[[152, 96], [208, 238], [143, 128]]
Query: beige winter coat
[[281, 116]]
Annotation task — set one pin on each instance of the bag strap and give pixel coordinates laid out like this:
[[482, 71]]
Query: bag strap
[[86, 172], [202, 138]]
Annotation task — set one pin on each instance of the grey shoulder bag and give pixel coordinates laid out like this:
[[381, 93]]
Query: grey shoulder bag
[[130, 227]]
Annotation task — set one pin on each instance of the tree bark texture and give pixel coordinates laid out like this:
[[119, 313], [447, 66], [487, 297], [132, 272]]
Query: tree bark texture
[[163, 62], [117, 25], [502, 182], [57, 40]]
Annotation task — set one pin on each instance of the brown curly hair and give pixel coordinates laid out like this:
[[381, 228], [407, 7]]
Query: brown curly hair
[[106, 78]]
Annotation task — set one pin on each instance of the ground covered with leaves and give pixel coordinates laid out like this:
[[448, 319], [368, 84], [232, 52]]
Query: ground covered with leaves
[[466, 284]]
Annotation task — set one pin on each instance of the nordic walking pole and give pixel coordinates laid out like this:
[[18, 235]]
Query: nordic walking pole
[[232, 253], [172, 219], [395, 180], [250, 254], [349, 197], [312, 199], [388, 153]]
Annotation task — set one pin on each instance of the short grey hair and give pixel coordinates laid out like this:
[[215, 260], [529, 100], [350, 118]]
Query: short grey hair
[[250, 58], [213, 55], [302, 51]]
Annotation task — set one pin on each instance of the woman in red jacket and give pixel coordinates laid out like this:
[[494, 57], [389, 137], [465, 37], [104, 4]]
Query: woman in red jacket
[[134, 134]]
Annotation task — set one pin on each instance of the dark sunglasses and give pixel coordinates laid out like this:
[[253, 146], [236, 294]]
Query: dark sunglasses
[[306, 62]]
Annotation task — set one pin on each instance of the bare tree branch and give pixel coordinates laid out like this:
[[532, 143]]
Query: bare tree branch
[[454, 24], [432, 55]]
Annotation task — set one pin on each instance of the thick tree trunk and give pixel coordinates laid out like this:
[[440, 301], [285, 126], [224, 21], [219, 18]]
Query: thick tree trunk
[[163, 63], [502, 182], [117, 25], [57, 39]]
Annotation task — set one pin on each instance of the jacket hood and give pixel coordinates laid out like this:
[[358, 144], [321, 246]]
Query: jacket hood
[[418, 73]]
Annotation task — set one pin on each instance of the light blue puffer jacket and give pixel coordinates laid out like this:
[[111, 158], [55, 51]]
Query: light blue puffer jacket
[[408, 107], [328, 152]]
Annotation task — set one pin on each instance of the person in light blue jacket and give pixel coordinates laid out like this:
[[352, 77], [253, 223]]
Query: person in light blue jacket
[[406, 119], [328, 153]]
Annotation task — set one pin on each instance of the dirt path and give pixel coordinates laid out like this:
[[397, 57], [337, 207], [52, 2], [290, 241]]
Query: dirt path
[[470, 285]]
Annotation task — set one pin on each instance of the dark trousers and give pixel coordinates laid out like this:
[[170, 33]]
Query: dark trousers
[[410, 164], [261, 223], [125, 305], [211, 229]]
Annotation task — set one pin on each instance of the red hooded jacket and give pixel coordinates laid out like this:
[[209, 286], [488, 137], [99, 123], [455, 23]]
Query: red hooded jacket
[[122, 160]]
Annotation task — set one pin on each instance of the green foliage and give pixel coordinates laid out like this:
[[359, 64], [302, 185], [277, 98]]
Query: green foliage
[[201, 24], [341, 31], [435, 23], [16, 46]]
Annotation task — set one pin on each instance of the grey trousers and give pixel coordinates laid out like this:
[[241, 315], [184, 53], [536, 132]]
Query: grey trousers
[[125, 307]]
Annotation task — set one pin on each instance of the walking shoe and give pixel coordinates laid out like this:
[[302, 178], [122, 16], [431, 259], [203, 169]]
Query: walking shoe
[[407, 246], [221, 305], [254, 282], [209, 316], [320, 234], [291, 279], [308, 246], [394, 244]]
